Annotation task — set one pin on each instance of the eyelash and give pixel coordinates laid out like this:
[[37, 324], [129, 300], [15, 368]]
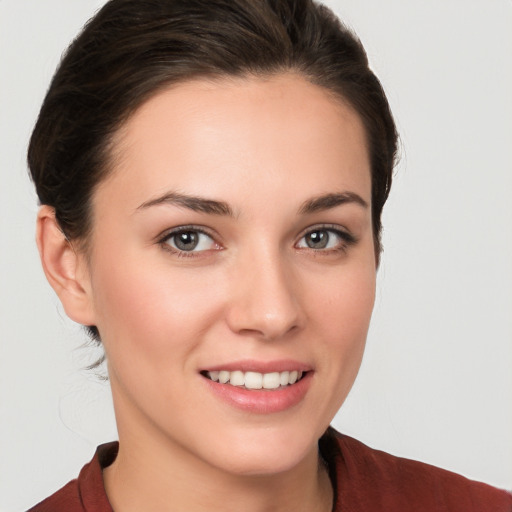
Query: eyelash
[[346, 240], [163, 241]]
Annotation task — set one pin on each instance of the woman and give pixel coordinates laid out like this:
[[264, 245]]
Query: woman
[[212, 177]]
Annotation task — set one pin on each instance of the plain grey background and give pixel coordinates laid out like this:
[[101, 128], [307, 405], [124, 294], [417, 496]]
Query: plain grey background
[[436, 382]]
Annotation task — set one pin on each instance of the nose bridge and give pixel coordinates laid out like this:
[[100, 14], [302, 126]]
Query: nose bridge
[[265, 301]]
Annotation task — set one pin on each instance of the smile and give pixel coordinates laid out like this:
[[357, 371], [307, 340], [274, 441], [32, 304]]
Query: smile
[[255, 380]]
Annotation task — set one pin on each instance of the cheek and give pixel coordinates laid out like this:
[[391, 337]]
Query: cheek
[[343, 314], [344, 302], [149, 311]]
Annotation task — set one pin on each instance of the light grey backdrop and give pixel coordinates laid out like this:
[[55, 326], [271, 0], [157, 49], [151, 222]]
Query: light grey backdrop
[[436, 383]]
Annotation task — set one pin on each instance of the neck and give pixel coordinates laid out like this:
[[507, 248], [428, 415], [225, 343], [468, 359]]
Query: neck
[[156, 475]]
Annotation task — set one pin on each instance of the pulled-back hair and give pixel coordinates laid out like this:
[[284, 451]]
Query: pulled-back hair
[[131, 49]]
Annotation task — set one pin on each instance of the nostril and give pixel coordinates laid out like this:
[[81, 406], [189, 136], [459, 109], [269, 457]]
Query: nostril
[[265, 303]]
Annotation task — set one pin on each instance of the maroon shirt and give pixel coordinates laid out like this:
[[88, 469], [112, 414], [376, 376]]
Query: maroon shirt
[[364, 480]]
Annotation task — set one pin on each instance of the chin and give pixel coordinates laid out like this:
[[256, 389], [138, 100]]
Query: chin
[[257, 465], [266, 452]]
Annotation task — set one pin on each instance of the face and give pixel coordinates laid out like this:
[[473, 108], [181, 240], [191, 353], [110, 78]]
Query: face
[[232, 269]]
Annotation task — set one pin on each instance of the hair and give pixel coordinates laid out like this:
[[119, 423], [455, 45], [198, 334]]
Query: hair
[[132, 49]]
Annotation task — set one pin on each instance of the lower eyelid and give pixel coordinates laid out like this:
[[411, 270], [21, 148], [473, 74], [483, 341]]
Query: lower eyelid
[[200, 234], [166, 242], [346, 239]]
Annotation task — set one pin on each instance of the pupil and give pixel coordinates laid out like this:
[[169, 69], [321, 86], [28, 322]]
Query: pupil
[[186, 241], [317, 239]]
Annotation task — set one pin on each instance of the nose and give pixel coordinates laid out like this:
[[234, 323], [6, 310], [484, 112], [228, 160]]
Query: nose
[[265, 300]]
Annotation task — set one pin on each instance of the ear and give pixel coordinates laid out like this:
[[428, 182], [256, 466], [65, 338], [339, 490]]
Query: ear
[[65, 268]]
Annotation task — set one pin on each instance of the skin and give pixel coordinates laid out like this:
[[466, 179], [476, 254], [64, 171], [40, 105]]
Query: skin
[[253, 289]]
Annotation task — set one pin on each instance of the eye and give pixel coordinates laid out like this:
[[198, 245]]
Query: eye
[[189, 240], [325, 239]]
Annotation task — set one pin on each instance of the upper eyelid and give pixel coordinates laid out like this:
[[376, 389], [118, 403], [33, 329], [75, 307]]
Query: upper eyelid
[[163, 240], [337, 228], [345, 234], [168, 233], [327, 227]]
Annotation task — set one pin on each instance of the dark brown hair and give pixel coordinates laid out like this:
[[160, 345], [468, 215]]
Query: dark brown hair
[[131, 49]]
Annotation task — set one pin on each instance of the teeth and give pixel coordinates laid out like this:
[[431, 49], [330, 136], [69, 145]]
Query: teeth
[[252, 380], [223, 376], [271, 380], [255, 380], [237, 378]]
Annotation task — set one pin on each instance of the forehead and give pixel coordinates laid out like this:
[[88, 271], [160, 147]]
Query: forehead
[[224, 136]]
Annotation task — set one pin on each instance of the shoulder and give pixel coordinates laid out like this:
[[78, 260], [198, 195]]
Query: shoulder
[[65, 499], [85, 493], [369, 479]]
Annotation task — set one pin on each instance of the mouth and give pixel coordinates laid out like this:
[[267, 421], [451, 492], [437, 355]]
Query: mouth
[[260, 387], [255, 380]]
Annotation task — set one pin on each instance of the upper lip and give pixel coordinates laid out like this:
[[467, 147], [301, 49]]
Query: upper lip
[[247, 365]]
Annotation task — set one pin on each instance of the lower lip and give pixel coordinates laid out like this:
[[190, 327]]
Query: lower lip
[[262, 401]]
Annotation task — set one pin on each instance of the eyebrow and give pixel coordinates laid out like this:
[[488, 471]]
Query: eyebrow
[[329, 201], [195, 203], [212, 206]]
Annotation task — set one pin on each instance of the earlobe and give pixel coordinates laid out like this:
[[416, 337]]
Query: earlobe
[[64, 268]]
